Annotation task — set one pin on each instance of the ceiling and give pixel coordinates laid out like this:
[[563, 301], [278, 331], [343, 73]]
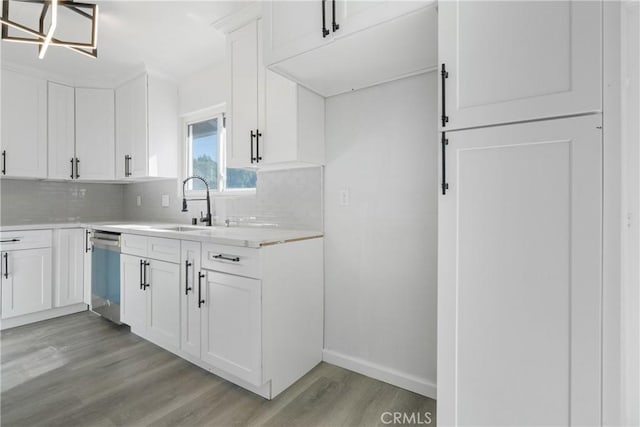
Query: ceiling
[[176, 38]]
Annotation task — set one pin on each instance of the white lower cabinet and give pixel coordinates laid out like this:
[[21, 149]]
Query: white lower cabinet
[[231, 324], [133, 297], [221, 321], [68, 254], [253, 316], [42, 274], [190, 312], [520, 275], [163, 303], [25, 267], [26, 281], [150, 302]]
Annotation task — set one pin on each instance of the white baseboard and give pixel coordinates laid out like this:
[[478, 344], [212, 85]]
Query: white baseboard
[[382, 373], [12, 322]]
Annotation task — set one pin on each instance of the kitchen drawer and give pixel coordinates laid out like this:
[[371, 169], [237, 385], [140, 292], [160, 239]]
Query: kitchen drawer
[[134, 245], [163, 249], [29, 239], [231, 259]]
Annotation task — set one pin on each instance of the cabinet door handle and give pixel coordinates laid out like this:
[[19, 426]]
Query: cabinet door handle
[[4, 162], [127, 166], [444, 75], [325, 32], [187, 288], [6, 265], [77, 168], [87, 248], [335, 25], [444, 142], [146, 275], [258, 135], [9, 240], [200, 300], [253, 135], [141, 273], [71, 168], [227, 258]]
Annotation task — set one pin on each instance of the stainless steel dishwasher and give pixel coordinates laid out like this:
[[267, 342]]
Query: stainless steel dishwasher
[[105, 275]]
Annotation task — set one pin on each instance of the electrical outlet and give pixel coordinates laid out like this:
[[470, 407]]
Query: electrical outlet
[[165, 200], [344, 197], [138, 200]]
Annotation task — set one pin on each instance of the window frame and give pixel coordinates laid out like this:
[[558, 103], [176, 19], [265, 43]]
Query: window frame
[[217, 112]]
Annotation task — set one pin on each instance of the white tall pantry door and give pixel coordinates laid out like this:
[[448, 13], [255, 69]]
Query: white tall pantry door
[[509, 61], [519, 300]]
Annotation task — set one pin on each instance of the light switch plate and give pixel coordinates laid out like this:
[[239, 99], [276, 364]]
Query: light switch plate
[[344, 197], [165, 200]]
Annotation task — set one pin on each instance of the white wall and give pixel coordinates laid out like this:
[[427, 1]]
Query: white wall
[[631, 201], [380, 251], [204, 89]]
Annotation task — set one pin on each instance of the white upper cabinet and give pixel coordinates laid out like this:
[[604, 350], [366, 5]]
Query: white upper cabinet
[[293, 27], [272, 121], [392, 39], [61, 131], [294, 124], [24, 126], [95, 145], [246, 101], [147, 128], [514, 61]]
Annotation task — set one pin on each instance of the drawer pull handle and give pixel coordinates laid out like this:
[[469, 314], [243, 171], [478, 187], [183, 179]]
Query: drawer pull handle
[[146, 283], [201, 276], [227, 257], [187, 288], [141, 279], [9, 240]]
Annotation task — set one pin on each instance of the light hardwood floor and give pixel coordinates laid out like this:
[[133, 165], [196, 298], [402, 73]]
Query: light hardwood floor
[[81, 370]]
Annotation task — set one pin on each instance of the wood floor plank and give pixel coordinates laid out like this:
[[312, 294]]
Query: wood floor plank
[[81, 370]]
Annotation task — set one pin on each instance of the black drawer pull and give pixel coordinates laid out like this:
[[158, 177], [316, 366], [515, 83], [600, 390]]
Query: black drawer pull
[[325, 32], [141, 279], [9, 240], [6, 265], [444, 75], [187, 288], [227, 258], [127, 166], [200, 300], [146, 283], [444, 185]]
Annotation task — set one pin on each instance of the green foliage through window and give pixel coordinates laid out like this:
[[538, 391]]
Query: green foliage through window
[[204, 149]]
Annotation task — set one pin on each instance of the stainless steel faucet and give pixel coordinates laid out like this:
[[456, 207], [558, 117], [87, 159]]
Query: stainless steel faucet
[[206, 219]]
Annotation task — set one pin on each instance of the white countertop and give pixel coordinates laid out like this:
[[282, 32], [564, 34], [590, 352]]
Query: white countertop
[[252, 237]]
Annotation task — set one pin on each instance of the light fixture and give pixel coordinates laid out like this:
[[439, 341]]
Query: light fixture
[[44, 40]]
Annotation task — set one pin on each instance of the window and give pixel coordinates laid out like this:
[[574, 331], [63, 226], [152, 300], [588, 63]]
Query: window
[[205, 156]]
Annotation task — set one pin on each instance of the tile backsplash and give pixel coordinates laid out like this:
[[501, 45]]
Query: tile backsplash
[[41, 202], [285, 198]]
